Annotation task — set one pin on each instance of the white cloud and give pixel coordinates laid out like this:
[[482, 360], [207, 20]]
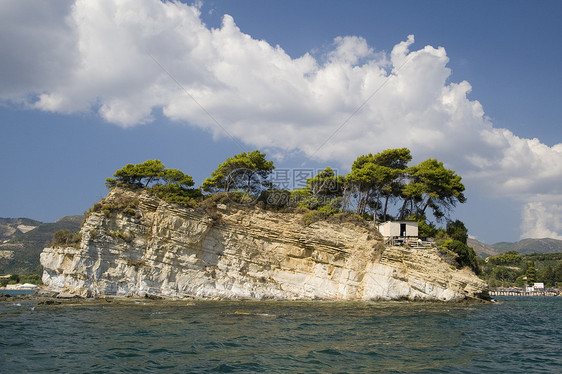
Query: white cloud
[[350, 49], [105, 55], [38, 44], [542, 219]]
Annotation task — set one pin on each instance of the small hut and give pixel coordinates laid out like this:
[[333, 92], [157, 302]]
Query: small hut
[[399, 229]]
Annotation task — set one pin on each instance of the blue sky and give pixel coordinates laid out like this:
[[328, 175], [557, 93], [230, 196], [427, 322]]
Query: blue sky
[[474, 84]]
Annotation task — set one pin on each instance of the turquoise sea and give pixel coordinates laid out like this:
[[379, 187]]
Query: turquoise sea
[[519, 335]]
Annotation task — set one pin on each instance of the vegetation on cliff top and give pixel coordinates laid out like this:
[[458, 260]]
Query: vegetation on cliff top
[[170, 184], [377, 185], [247, 172], [66, 238]]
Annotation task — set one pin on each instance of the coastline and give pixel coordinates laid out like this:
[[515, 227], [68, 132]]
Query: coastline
[[46, 297]]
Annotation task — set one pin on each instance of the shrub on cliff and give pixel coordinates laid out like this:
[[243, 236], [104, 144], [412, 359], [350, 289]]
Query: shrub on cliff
[[66, 238], [172, 193], [275, 198], [466, 255], [457, 231], [123, 204]]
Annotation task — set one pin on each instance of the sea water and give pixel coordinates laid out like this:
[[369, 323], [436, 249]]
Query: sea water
[[17, 292], [517, 335]]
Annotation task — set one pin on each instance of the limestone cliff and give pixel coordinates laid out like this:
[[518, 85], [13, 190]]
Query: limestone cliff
[[138, 244]]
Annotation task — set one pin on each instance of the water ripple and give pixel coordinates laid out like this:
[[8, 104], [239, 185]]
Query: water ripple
[[522, 334]]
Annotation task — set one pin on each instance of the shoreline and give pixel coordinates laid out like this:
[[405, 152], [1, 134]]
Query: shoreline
[[46, 297]]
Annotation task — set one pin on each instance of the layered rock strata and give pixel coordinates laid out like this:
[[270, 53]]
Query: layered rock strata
[[156, 248]]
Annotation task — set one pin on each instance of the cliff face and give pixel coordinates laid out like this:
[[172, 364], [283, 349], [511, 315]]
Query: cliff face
[[152, 247]]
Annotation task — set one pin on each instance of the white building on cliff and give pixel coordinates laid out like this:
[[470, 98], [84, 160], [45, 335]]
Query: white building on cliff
[[399, 229]]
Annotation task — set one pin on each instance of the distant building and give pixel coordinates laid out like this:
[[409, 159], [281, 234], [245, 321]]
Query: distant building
[[400, 229], [536, 287], [25, 286]]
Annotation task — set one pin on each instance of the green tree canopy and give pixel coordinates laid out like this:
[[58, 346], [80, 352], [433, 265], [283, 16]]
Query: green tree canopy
[[504, 274], [170, 184], [149, 173], [376, 177], [321, 190], [467, 256], [457, 231], [531, 274], [557, 277], [177, 177], [507, 258], [548, 276], [432, 186], [246, 171], [397, 161], [425, 229], [326, 183]]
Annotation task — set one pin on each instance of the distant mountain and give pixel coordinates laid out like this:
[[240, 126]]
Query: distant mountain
[[528, 246], [504, 246], [14, 226], [23, 240], [523, 247], [482, 249]]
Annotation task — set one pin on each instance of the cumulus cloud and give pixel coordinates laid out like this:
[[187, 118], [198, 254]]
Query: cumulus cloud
[[38, 44], [542, 220], [125, 59]]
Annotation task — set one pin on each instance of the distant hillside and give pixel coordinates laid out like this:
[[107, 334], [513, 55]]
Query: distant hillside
[[24, 240], [482, 249], [523, 247], [9, 227], [528, 246]]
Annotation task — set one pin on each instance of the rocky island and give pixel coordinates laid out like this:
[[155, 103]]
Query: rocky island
[[137, 244]]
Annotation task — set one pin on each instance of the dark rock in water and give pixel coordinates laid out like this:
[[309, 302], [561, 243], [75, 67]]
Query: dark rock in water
[[46, 293], [4, 296], [153, 297], [484, 296], [64, 295], [49, 302]]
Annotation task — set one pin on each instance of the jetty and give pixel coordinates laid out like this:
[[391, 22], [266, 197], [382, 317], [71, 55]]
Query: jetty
[[523, 292]]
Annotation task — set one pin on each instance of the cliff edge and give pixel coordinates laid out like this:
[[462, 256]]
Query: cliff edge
[[137, 245]]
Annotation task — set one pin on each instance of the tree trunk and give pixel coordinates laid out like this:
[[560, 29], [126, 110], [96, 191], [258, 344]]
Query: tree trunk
[[377, 200], [403, 209], [385, 207], [360, 199], [426, 204], [346, 197]]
